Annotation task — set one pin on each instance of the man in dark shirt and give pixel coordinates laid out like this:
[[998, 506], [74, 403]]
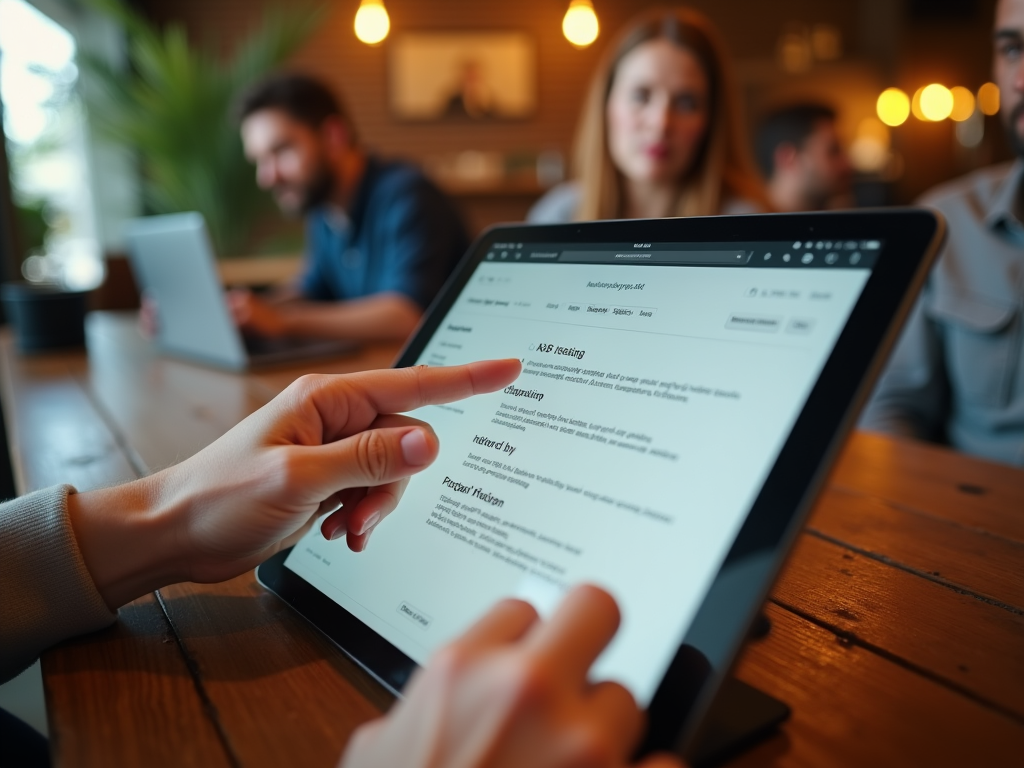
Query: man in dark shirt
[[381, 239]]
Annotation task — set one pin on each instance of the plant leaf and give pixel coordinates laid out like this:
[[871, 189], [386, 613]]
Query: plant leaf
[[174, 105]]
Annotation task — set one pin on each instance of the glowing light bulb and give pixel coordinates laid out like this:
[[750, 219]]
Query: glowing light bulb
[[372, 23], [893, 107], [936, 102], [988, 98], [580, 25], [963, 103]]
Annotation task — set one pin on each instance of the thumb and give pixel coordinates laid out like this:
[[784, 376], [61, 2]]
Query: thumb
[[369, 458]]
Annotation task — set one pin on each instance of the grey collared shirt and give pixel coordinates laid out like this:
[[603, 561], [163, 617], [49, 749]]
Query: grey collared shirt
[[957, 373]]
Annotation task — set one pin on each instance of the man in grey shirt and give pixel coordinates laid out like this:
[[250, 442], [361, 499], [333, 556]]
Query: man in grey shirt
[[957, 374]]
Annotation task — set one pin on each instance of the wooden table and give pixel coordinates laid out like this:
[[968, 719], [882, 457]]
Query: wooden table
[[897, 629]]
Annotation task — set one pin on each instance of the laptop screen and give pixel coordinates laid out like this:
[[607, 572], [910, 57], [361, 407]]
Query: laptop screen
[[660, 382]]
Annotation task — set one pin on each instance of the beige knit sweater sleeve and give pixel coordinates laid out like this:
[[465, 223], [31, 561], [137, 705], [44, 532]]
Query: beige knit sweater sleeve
[[46, 592]]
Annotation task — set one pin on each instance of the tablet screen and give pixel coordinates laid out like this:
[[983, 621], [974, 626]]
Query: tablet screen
[[660, 382]]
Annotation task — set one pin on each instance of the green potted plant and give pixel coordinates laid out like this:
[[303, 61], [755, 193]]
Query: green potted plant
[[173, 104]]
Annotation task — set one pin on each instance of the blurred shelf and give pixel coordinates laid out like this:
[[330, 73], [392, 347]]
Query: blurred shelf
[[506, 188]]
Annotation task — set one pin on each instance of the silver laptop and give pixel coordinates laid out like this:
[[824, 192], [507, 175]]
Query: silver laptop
[[172, 259]]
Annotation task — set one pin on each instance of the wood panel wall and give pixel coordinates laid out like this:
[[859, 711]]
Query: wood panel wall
[[893, 46], [359, 72]]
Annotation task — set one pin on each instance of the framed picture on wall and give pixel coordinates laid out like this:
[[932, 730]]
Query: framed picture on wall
[[463, 75]]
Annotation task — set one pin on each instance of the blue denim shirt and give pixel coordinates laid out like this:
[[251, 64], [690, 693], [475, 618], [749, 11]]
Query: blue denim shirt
[[402, 235], [957, 373]]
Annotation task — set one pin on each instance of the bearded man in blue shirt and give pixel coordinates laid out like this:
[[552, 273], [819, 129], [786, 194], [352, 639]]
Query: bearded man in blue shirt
[[381, 239]]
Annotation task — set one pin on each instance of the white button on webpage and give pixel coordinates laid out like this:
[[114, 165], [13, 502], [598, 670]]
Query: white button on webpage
[[414, 614], [746, 322], [800, 325]]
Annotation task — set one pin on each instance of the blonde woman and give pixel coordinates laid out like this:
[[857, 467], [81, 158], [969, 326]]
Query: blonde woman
[[660, 134]]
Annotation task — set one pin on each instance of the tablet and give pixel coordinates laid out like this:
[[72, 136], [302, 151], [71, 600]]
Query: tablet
[[686, 385]]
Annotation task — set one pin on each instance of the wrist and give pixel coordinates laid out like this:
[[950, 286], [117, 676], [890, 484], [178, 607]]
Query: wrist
[[286, 323], [289, 320], [128, 538]]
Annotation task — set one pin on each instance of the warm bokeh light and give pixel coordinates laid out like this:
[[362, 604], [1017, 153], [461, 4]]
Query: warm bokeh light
[[988, 98], [794, 51], [372, 22], [963, 103], [893, 107], [869, 152], [871, 128], [915, 105], [936, 102], [580, 23], [826, 42]]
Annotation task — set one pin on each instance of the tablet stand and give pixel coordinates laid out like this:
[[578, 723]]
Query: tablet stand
[[740, 717]]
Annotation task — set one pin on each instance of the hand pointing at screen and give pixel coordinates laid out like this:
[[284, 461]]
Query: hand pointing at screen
[[513, 691], [323, 442]]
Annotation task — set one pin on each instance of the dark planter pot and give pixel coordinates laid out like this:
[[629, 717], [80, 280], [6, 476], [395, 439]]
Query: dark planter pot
[[44, 316]]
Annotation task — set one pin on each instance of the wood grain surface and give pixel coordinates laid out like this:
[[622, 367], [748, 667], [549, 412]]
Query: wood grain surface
[[914, 622], [53, 429], [983, 564], [262, 663], [897, 626], [926, 478], [854, 707], [126, 696]]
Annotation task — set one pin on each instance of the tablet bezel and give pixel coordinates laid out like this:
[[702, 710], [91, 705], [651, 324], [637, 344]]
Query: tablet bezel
[[911, 238]]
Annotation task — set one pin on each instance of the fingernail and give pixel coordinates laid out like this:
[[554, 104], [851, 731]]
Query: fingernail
[[371, 521], [415, 449], [337, 533], [366, 540]]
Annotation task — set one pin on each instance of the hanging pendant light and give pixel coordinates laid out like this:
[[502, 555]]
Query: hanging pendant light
[[372, 23], [580, 25]]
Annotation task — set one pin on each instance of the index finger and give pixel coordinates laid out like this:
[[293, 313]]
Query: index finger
[[580, 629], [405, 389]]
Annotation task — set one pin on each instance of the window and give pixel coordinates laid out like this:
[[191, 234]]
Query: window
[[48, 148]]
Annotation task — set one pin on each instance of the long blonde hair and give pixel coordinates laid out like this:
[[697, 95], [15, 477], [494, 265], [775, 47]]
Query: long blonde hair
[[723, 168]]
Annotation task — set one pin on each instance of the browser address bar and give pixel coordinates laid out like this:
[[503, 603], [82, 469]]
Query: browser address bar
[[711, 258]]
